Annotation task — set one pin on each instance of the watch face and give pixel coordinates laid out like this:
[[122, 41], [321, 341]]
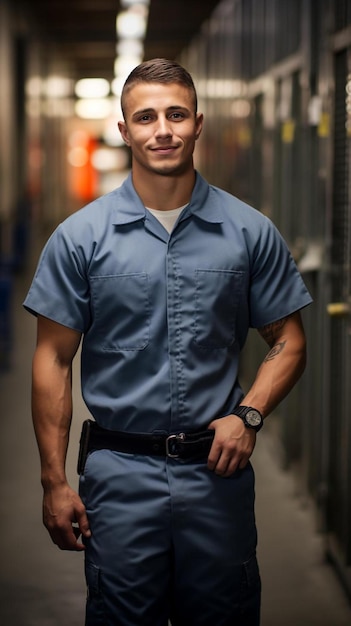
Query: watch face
[[253, 418]]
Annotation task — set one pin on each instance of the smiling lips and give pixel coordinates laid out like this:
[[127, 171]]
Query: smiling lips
[[164, 149]]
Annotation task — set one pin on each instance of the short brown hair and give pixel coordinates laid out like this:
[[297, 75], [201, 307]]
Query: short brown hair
[[158, 71]]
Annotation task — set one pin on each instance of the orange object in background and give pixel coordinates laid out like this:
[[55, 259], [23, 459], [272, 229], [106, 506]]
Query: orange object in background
[[83, 177]]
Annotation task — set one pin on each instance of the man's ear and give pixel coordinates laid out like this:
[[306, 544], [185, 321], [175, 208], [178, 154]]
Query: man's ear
[[199, 124], [124, 132]]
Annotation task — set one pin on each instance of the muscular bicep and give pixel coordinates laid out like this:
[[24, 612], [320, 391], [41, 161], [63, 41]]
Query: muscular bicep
[[277, 333], [57, 341]]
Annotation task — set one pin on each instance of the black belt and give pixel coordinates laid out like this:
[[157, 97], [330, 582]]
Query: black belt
[[194, 445]]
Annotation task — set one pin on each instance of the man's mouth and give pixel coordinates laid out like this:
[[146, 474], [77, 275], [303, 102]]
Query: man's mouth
[[164, 149]]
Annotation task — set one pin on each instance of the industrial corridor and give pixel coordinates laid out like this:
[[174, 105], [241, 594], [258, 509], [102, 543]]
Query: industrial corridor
[[273, 81]]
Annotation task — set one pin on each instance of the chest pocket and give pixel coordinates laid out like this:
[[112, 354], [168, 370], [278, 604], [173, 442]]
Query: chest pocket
[[217, 297], [121, 311]]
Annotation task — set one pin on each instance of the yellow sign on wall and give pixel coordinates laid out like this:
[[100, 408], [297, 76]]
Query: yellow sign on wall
[[288, 131], [324, 125]]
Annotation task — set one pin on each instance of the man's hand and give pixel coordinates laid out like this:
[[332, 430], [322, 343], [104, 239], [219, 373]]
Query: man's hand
[[232, 446], [62, 507]]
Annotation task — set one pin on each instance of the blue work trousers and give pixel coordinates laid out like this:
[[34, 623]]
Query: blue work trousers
[[170, 541]]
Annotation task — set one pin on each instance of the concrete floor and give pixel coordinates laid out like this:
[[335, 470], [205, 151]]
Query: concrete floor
[[41, 586]]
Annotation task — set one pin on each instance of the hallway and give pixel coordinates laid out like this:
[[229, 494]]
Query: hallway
[[41, 586]]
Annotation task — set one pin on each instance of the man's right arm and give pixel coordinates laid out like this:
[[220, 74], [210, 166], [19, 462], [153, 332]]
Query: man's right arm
[[52, 414]]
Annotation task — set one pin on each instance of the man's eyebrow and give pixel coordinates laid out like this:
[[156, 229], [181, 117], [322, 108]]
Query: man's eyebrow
[[177, 107], [143, 112], [174, 107]]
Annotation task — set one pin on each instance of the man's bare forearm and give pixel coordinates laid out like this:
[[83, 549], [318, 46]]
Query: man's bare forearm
[[282, 366], [52, 396], [52, 413]]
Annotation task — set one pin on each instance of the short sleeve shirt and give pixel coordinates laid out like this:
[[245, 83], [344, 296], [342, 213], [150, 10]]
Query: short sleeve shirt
[[164, 317]]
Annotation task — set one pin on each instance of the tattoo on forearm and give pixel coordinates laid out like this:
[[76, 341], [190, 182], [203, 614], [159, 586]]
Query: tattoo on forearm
[[269, 332], [277, 349]]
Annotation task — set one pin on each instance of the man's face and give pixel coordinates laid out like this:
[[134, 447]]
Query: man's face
[[161, 127]]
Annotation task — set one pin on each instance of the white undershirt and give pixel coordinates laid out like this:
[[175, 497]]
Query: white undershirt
[[167, 218]]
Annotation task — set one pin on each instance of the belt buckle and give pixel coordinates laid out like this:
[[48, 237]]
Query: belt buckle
[[171, 445]]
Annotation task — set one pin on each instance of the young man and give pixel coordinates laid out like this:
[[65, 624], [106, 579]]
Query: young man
[[162, 278]]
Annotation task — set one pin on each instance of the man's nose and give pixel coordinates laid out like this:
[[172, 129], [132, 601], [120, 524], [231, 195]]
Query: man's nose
[[163, 128]]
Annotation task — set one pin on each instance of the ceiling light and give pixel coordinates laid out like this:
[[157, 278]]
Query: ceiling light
[[132, 24], [93, 109], [92, 88], [34, 87], [130, 47], [124, 65], [57, 87]]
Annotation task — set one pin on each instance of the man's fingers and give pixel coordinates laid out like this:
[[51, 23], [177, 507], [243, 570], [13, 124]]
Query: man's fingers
[[76, 530], [214, 455], [65, 518], [67, 539], [65, 533], [224, 461], [226, 465], [83, 524]]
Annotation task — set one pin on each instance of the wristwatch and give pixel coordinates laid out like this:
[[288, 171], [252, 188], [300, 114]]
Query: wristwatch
[[251, 417]]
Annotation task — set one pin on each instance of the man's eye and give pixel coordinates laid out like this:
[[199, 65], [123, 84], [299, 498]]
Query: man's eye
[[176, 116], [145, 118]]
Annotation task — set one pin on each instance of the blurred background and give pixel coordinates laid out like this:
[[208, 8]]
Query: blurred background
[[274, 83]]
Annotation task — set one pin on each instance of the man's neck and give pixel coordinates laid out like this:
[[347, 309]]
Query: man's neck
[[161, 192]]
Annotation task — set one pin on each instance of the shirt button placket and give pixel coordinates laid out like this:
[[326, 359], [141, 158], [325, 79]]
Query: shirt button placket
[[174, 319]]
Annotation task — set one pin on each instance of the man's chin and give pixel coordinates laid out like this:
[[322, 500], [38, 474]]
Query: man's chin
[[171, 170]]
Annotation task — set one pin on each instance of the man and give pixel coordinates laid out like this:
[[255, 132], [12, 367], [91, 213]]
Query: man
[[162, 278]]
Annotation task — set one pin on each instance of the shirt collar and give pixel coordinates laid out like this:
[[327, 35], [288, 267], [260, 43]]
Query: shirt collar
[[204, 203], [129, 205]]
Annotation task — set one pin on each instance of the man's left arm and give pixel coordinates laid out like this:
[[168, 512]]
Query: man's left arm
[[280, 370]]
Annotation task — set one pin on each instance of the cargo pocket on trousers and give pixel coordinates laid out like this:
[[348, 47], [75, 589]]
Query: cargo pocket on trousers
[[250, 593], [95, 609]]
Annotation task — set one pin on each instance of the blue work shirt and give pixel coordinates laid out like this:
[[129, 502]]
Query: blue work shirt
[[164, 317]]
